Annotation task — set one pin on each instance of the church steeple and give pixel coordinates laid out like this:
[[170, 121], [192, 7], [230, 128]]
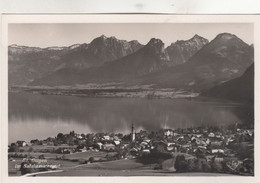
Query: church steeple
[[133, 133]]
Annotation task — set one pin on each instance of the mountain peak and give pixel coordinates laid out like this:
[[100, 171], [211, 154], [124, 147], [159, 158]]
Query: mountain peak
[[103, 36], [104, 39], [223, 43], [13, 45], [76, 46], [226, 36], [16, 46], [196, 36], [155, 48], [134, 42], [156, 43]]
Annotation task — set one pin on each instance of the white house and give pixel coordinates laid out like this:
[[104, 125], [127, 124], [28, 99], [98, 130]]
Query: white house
[[211, 134], [106, 137], [216, 151], [116, 142], [168, 132]]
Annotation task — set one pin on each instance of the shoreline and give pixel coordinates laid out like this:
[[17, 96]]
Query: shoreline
[[192, 97]]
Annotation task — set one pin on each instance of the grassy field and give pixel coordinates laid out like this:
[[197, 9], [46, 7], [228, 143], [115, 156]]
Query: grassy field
[[86, 155], [112, 168], [123, 168], [80, 155], [73, 165], [63, 164], [116, 165], [70, 160], [38, 148], [37, 154], [11, 167]]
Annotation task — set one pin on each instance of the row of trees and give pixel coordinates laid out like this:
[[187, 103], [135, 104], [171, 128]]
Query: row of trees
[[202, 165]]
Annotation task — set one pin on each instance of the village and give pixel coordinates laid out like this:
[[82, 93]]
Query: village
[[201, 149]]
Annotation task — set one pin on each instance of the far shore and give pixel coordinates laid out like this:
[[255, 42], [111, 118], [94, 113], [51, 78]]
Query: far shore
[[103, 92]]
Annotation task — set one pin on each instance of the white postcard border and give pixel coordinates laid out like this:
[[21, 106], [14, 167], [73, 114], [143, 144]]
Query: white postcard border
[[6, 19]]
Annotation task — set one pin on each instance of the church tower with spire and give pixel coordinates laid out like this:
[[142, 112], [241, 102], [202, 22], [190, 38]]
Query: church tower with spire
[[133, 133]]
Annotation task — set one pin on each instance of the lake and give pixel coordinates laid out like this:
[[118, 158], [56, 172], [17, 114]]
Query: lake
[[34, 116]]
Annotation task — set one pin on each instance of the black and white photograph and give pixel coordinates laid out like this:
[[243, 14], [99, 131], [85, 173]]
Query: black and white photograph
[[131, 98]]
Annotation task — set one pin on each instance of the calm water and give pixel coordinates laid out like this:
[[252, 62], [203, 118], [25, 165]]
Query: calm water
[[40, 116]]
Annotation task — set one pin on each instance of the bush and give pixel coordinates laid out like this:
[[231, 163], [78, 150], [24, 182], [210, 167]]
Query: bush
[[154, 157], [41, 157], [181, 164], [25, 170], [30, 149], [216, 166], [84, 162], [202, 165], [91, 159], [158, 167], [191, 165], [13, 148]]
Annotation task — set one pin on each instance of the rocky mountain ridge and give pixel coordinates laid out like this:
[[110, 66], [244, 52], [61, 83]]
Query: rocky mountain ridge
[[192, 65]]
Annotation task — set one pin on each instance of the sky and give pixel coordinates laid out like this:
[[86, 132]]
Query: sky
[[65, 34]]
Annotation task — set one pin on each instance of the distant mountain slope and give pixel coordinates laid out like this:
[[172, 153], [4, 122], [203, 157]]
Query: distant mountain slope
[[150, 58], [224, 58], [187, 65], [181, 51], [238, 89], [101, 50], [29, 63]]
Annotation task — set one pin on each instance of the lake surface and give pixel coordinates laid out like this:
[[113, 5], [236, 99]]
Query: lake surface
[[40, 116]]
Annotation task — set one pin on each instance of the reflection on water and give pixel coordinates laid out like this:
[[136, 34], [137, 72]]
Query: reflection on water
[[39, 116]]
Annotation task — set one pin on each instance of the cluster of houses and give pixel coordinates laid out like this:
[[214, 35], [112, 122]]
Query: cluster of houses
[[213, 144], [207, 144]]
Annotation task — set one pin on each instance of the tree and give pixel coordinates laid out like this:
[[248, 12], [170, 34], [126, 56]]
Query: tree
[[160, 147], [216, 166], [91, 159], [35, 141], [202, 165], [13, 148], [152, 135], [191, 165], [80, 146], [24, 170], [120, 135], [127, 138], [60, 136], [30, 149], [180, 164], [41, 157], [72, 133], [200, 153]]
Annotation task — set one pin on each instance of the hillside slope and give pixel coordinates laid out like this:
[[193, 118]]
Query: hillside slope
[[238, 89], [224, 58]]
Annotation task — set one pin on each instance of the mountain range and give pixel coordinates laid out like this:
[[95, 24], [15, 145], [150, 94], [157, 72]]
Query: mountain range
[[192, 65], [27, 64], [224, 58]]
